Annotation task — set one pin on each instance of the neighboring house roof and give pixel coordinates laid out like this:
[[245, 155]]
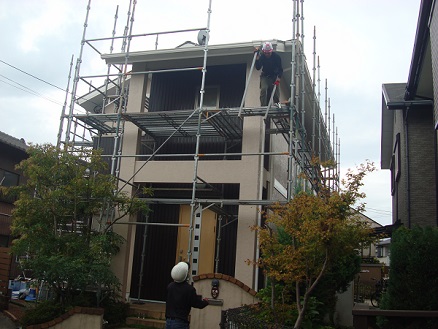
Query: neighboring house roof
[[384, 242], [19, 144], [372, 222]]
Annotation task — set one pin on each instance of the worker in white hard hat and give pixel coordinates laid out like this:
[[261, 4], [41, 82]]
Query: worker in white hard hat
[[270, 63], [181, 297]]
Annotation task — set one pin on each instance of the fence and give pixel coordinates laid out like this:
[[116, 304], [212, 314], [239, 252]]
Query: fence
[[245, 317]]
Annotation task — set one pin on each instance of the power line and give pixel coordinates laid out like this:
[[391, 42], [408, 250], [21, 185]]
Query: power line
[[50, 84], [26, 89], [379, 210]]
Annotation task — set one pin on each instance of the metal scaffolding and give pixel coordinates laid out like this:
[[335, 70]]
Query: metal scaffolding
[[86, 123]]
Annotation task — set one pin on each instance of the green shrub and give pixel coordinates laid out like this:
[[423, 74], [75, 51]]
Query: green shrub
[[43, 312], [115, 312], [413, 281]]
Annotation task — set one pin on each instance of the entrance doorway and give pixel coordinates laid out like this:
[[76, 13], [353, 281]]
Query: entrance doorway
[[203, 239]]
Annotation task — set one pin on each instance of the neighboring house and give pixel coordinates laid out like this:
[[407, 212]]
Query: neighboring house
[[369, 252], [409, 129], [12, 152], [383, 250]]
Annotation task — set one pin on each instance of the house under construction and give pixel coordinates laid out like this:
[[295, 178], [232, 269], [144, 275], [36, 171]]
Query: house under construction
[[174, 121]]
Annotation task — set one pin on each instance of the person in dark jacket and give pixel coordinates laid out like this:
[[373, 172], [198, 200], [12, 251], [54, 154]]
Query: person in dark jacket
[[181, 297], [272, 70]]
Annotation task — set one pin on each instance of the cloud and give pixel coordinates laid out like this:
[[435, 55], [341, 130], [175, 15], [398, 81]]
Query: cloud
[[361, 44]]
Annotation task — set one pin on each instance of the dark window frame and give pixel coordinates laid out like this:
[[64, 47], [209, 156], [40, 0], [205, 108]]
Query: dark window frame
[[9, 178]]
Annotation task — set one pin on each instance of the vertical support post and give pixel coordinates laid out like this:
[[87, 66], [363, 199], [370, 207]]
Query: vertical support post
[[291, 162], [319, 112], [198, 137], [303, 103], [61, 123], [75, 81], [247, 83], [143, 255], [218, 243]]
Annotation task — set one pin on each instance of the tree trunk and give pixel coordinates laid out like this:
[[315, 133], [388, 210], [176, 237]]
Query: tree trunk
[[272, 293], [302, 309]]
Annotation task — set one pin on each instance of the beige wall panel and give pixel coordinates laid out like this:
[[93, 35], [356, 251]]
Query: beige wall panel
[[207, 243]]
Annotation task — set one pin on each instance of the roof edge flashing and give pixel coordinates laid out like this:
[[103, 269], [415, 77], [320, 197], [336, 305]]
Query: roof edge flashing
[[415, 104]]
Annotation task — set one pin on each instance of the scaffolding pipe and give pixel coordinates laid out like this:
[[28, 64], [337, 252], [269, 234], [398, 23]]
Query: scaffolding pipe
[[334, 152], [123, 95], [303, 94], [119, 91], [247, 82], [146, 34], [109, 65], [314, 93], [291, 164], [220, 202], [159, 148], [151, 224], [218, 244], [339, 161], [198, 136], [193, 154], [76, 80], [297, 144], [143, 255], [61, 123], [325, 118], [319, 112], [104, 103], [197, 68]]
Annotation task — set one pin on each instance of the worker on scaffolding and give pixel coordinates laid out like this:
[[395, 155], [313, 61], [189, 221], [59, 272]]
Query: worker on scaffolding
[[272, 70]]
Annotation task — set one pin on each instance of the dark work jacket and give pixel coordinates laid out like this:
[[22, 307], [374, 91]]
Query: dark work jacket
[[271, 66], [181, 297]]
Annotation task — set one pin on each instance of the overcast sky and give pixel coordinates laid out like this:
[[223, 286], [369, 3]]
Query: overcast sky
[[361, 45]]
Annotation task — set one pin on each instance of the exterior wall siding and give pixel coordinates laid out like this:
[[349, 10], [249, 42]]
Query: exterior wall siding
[[415, 201], [434, 52], [422, 172]]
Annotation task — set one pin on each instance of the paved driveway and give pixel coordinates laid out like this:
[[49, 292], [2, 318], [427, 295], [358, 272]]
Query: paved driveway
[[6, 323]]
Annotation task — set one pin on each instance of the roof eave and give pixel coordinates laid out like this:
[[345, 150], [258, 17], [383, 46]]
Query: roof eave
[[161, 55], [420, 46]]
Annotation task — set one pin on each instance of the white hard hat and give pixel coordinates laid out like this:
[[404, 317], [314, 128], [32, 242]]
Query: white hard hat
[[267, 47], [179, 272]]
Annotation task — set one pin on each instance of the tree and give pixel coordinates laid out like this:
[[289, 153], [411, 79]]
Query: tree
[[53, 216], [314, 233]]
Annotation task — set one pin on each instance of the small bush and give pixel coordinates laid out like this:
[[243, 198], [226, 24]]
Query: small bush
[[43, 312], [115, 312]]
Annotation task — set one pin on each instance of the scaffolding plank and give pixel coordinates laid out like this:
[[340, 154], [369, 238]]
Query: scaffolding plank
[[100, 121]]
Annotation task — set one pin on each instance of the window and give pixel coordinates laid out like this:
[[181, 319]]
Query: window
[[397, 158], [379, 251], [8, 178], [392, 175], [211, 97]]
